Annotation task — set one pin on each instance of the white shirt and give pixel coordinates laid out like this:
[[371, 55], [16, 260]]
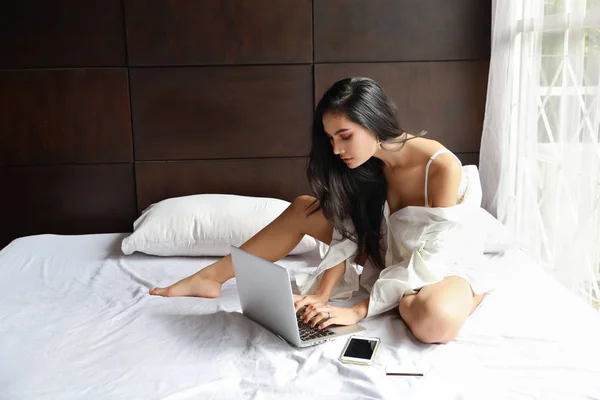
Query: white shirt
[[422, 246]]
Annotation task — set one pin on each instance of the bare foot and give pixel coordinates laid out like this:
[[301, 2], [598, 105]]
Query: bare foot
[[194, 285]]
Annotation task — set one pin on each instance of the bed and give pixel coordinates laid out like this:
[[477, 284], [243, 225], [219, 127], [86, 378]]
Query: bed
[[76, 321]]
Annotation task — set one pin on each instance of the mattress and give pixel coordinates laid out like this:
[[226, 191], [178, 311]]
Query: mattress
[[76, 322]]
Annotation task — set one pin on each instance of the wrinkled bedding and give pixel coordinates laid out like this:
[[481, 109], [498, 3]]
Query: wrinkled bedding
[[76, 322]]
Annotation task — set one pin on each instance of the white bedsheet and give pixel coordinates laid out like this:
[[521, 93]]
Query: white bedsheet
[[76, 322]]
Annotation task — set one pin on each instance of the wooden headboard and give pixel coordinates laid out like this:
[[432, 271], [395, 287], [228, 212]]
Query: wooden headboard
[[110, 105]]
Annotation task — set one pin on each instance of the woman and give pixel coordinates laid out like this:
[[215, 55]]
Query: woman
[[374, 185]]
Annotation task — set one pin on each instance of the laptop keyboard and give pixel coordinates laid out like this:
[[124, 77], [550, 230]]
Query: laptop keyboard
[[308, 333]]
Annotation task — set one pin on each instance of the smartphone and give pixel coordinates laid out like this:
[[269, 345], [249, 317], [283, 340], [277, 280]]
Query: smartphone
[[360, 350]]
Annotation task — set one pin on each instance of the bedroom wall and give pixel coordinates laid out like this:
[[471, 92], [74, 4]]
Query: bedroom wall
[[109, 105]]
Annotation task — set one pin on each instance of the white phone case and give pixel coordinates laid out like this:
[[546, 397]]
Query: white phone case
[[359, 361]]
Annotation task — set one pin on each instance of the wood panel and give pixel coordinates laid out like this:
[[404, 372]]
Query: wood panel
[[72, 199], [468, 158], [183, 32], [282, 178], [221, 112], [64, 116], [62, 33], [445, 98], [401, 30], [217, 106]]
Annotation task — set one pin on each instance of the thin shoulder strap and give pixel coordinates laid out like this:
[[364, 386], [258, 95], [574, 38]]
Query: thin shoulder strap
[[440, 151]]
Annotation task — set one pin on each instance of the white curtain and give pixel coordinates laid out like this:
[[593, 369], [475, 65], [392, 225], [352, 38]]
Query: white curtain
[[540, 153]]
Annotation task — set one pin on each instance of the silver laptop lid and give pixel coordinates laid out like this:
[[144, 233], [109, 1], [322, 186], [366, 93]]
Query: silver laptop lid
[[265, 294]]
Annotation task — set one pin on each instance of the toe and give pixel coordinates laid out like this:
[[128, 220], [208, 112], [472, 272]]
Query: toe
[[158, 291]]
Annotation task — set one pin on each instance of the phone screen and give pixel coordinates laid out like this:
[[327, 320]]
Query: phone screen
[[360, 348]]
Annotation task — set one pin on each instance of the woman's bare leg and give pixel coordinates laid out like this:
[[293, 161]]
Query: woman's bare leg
[[272, 243], [437, 312]]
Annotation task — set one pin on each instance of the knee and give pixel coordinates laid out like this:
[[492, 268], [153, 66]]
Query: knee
[[431, 320]]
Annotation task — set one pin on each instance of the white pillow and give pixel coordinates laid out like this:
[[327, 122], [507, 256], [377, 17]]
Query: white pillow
[[473, 194], [497, 237], [204, 225]]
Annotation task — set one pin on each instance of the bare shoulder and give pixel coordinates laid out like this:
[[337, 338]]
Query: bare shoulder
[[445, 166], [444, 181], [424, 148], [444, 176]]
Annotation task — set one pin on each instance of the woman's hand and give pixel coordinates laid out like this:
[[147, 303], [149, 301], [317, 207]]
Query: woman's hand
[[329, 315], [309, 300]]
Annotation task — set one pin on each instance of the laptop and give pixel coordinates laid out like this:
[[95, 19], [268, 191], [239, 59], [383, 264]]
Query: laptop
[[266, 297]]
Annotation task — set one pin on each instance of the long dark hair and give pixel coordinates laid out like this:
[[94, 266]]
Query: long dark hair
[[355, 194]]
